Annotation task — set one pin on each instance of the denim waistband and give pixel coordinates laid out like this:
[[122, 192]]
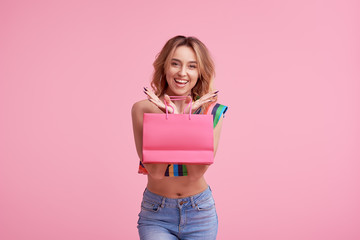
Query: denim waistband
[[177, 202]]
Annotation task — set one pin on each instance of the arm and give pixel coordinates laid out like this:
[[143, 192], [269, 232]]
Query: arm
[[156, 171], [197, 171]]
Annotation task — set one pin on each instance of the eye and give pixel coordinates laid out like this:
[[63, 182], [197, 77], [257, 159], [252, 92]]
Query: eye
[[192, 66], [174, 64]]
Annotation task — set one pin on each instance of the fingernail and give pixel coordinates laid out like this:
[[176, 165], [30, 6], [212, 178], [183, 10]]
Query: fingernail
[[145, 89], [145, 92], [216, 91]]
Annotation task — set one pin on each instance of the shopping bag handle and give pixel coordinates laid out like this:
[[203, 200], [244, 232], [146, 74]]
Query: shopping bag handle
[[178, 98]]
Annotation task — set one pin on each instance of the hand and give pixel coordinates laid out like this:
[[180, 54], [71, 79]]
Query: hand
[[160, 104], [209, 97]]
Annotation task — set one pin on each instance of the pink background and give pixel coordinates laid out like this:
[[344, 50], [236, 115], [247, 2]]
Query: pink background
[[288, 160]]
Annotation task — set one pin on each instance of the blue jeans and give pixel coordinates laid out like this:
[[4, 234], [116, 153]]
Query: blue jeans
[[164, 218]]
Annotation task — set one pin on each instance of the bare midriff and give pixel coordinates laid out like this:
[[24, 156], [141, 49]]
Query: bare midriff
[[176, 187]]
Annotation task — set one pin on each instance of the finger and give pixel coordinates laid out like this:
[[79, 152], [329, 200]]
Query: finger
[[212, 94], [147, 91], [209, 100], [209, 95], [198, 103], [167, 99], [154, 102], [153, 96]]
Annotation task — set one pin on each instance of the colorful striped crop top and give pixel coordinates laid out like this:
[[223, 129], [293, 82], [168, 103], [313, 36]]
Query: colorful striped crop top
[[176, 170]]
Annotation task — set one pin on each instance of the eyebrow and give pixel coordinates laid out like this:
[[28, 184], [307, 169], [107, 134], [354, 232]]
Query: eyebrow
[[175, 59]]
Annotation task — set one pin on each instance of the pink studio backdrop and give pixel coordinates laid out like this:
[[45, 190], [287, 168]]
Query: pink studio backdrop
[[288, 161]]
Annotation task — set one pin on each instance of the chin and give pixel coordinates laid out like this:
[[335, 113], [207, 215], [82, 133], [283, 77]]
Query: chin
[[181, 92]]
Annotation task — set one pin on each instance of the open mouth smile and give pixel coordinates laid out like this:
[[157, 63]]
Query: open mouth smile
[[181, 82]]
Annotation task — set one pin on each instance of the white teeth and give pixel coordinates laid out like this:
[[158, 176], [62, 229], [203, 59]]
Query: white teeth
[[181, 81]]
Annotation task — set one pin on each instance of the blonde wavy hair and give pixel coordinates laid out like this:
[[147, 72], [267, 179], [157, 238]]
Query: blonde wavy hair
[[205, 63]]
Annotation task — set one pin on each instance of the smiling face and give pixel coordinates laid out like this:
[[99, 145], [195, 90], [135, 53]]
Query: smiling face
[[182, 72]]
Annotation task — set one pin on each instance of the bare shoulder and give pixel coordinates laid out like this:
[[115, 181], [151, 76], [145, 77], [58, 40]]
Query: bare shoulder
[[143, 106], [139, 106]]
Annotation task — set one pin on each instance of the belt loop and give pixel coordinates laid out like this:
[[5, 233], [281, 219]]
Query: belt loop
[[162, 202], [192, 201]]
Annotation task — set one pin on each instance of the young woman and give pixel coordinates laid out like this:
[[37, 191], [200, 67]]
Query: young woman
[[177, 202]]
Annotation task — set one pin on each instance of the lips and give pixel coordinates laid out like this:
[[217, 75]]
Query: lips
[[181, 81]]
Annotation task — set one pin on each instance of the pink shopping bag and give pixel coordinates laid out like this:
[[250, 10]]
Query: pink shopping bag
[[178, 138]]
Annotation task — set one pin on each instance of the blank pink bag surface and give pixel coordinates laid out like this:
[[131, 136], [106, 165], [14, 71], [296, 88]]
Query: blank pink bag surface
[[178, 138]]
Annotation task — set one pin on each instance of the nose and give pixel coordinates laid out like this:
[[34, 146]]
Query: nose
[[182, 71]]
